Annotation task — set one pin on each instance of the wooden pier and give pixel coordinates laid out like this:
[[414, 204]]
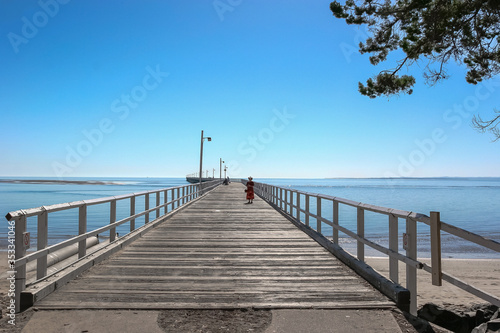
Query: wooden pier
[[219, 252]]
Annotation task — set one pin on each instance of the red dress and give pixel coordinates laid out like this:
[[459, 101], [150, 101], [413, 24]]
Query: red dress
[[250, 195]]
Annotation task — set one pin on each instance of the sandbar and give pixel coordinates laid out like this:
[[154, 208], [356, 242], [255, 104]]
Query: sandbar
[[61, 182]]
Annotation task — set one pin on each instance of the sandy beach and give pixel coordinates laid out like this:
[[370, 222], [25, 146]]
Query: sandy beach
[[481, 273]]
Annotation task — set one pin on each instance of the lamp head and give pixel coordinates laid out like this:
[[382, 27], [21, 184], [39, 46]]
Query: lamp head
[[209, 139]]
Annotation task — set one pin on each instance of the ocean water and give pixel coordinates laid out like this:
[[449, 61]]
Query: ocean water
[[469, 203], [64, 224]]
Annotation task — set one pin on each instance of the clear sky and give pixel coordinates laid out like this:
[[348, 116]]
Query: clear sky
[[124, 88]]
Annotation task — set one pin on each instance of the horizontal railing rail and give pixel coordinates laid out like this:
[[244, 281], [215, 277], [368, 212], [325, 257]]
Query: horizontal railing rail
[[294, 203], [179, 196]]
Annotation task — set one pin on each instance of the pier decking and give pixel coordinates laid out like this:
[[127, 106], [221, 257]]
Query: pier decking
[[220, 253]]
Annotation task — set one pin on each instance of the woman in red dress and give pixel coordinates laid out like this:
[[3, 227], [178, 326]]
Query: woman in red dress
[[249, 190]]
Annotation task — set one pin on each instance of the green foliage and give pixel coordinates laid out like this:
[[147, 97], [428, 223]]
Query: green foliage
[[387, 84], [437, 31]]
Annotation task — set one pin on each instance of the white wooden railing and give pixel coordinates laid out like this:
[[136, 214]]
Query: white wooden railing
[[179, 196], [293, 203]]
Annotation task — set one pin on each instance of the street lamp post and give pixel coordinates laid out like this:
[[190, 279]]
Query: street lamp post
[[201, 154], [225, 169]]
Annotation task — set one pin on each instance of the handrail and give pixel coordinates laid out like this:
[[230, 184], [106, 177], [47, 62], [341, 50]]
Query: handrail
[[18, 219], [282, 198], [75, 204]]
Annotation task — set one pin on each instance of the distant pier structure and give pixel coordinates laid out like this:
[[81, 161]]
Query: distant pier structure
[[196, 180]]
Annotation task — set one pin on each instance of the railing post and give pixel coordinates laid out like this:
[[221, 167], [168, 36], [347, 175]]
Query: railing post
[[277, 196], [286, 201], [165, 200], [146, 207], [275, 190], [411, 271], [82, 228], [132, 212], [281, 198], [298, 207], [20, 250], [361, 233], [436, 248], [112, 219], [318, 213], [172, 199], [307, 210], [42, 235], [393, 245], [157, 204], [178, 197], [183, 195], [335, 222]]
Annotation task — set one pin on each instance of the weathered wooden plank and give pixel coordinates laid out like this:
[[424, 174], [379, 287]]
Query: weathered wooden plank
[[234, 285], [221, 279], [216, 297], [220, 268], [228, 259], [176, 252], [194, 304]]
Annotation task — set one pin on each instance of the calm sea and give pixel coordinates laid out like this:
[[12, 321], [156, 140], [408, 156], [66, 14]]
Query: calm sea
[[64, 224], [469, 203]]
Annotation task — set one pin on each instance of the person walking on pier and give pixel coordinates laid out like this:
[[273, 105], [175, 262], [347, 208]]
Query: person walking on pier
[[249, 190]]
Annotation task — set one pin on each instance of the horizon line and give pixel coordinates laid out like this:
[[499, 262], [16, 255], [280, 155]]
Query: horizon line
[[265, 177]]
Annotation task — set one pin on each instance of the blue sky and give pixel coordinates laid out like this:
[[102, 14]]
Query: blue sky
[[124, 88]]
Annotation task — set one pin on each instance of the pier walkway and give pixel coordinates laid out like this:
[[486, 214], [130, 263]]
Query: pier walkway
[[217, 253]]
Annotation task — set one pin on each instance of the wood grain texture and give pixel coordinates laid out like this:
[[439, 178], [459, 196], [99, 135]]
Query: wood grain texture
[[220, 253]]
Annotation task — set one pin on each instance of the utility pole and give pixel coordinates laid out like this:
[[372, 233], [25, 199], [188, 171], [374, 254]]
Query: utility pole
[[201, 154]]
